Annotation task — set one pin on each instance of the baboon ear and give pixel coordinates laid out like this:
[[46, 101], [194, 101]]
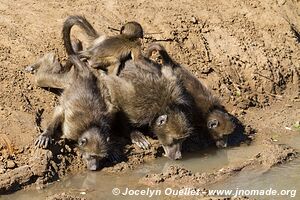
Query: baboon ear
[[82, 142], [212, 123], [161, 120]]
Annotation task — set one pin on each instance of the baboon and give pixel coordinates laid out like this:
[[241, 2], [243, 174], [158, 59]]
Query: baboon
[[219, 123], [157, 101], [105, 52], [82, 114]]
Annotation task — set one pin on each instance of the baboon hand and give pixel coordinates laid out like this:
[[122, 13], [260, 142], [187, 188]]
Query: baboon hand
[[43, 140], [140, 140]]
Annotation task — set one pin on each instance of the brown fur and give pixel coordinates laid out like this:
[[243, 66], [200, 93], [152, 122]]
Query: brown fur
[[209, 112], [82, 114], [105, 52], [157, 100]]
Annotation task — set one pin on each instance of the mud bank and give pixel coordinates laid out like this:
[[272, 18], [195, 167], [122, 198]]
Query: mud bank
[[40, 167]]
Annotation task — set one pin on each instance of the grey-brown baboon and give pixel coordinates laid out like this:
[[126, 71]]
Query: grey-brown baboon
[[208, 108], [156, 100], [105, 52], [82, 114]]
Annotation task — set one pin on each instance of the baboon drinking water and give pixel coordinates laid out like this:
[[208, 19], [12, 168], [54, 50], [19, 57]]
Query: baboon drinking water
[[82, 114], [209, 110], [158, 101]]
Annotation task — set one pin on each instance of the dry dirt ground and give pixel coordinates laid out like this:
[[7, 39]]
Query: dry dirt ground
[[246, 51]]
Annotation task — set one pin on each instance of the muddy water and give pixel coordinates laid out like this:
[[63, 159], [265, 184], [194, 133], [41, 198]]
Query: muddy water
[[96, 185], [283, 180]]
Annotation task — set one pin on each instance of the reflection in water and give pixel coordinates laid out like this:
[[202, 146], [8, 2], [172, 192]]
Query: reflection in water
[[99, 184]]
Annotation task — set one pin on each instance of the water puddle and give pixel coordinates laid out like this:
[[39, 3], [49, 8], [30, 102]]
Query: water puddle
[[282, 180], [95, 185]]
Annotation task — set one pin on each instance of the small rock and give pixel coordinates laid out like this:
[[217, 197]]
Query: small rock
[[10, 164], [194, 20], [281, 2], [241, 112], [2, 170]]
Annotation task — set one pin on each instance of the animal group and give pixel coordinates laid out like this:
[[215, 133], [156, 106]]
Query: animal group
[[112, 84]]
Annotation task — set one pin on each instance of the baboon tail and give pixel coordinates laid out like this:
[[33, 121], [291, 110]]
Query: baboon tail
[[80, 66], [83, 24]]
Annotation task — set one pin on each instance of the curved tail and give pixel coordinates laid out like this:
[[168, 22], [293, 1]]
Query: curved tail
[[80, 66], [83, 24]]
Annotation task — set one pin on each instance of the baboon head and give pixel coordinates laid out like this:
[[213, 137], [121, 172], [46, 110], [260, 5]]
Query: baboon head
[[220, 124], [172, 129], [132, 29], [94, 146]]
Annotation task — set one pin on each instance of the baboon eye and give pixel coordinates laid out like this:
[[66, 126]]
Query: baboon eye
[[82, 141], [161, 120], [212, 123]]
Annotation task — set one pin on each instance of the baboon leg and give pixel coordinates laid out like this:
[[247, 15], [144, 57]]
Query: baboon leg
[[59, 81], [139, 139], [45, 138], [114, 69], [50, 73], [47, 63], [109, 64]]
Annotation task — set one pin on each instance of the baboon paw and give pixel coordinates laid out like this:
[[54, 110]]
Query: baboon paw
[[140, 140], [30, 69], [43, 141]]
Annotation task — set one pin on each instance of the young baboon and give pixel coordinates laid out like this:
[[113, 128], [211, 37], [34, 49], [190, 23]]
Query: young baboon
[[158, 101], [106, 52], [219, 123], [82, 114]]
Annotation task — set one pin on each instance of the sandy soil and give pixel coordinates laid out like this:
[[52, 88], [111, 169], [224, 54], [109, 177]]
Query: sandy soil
[[246, 51]]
